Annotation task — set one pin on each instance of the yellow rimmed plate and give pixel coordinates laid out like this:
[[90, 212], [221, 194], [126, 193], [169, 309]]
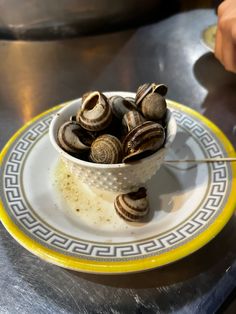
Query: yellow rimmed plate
[[66, 223]]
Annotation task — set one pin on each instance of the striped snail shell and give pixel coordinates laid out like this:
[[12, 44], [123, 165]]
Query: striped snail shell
[[132, 119], [149, 88], [131, 100], [106, 149], [95, 113], [142, 91], [132, 206], [143, 140], [160, 89], [153, 107], [121, 105], [72, 118], [85, 95], [72, 138]]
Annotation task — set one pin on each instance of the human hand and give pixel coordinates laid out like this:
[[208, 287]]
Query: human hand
[[225, 47]]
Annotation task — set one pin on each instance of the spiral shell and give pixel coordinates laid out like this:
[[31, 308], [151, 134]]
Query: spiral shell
[[131, 100], [95, 113], [143, 140], [121, 105], [132, 119], [106, 149], [85, 95], [142, 91], [153, 107], [72, 119], [132, 206], [149, 88], [160, 89], [72, 138]]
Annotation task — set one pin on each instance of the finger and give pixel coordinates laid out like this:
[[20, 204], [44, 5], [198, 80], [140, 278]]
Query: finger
[[229, 58], [229, 13], [222, 34], [224, 8], [228, 51], [218, 44]]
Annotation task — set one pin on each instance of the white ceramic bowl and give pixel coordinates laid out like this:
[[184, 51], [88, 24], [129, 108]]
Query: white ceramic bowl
[[111, 177]]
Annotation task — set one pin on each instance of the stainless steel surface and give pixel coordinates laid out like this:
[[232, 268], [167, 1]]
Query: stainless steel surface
[[36, 76], [40, 19]]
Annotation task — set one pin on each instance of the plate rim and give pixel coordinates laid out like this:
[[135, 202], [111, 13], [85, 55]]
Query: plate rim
[[137, 265]]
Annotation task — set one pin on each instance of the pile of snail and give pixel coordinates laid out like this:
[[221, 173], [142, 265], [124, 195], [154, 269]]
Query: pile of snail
[[116, 129]]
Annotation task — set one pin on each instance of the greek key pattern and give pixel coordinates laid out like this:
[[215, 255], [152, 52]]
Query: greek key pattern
[[27, 221]]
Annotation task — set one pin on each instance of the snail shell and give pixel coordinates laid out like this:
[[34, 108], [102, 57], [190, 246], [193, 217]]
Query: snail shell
[[120, 105], [143, 140], [72, 118], [142, 91], [95, 113], [160, 89], [149, 88], [72, 138], [153, 107], [106, 149], [132, 206], [85, 95], [132, 119], [131, 100]]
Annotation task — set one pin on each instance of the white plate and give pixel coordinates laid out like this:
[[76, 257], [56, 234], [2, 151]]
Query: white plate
[[66, 223]]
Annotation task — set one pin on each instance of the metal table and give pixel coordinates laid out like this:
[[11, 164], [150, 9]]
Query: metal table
[[38, 75]]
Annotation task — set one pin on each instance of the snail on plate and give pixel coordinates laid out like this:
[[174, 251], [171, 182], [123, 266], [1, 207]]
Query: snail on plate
[[132, 206]]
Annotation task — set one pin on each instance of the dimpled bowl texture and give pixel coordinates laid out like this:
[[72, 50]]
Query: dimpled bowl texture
[[121, 177]]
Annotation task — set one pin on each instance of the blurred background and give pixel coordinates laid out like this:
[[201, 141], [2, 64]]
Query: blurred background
[[43, 19]]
